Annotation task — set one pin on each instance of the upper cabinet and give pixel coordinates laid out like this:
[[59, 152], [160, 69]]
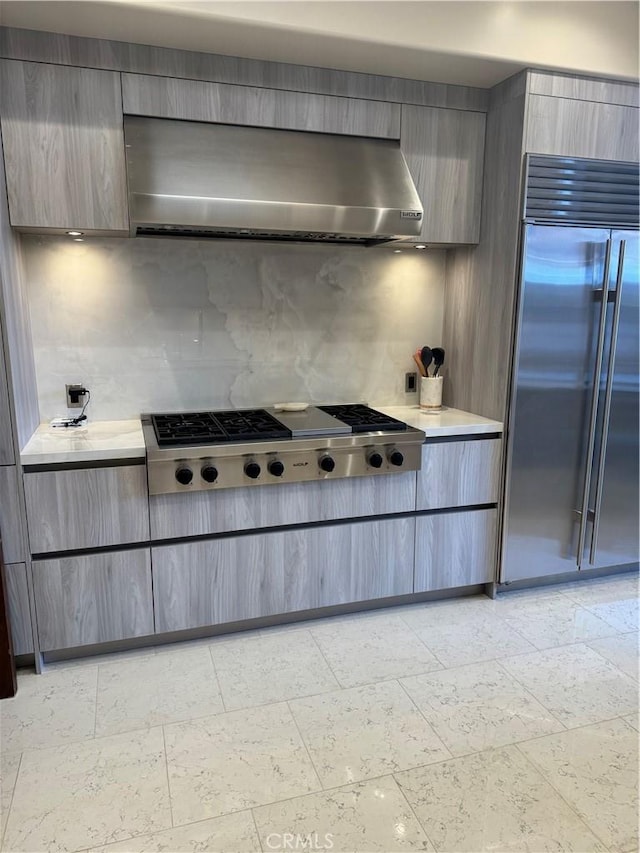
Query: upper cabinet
[[169, 97], [63, 148], [444, 150]]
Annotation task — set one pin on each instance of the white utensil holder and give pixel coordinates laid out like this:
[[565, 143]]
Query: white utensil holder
[[431, 392]]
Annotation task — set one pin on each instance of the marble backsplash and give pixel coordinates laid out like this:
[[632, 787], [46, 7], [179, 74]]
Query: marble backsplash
[[161, 325]]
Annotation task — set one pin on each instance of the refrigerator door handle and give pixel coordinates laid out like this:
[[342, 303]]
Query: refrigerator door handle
[[607, 405], [593, 416]]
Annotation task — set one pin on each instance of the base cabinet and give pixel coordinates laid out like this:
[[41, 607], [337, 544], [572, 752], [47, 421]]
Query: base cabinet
[[237, 578], [19, 610], [86, 507], [91, 599], [455, 549]]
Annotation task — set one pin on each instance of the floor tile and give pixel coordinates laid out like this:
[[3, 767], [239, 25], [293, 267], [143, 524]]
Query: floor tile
[[622, 650], [595, 769], [234, 833], [373, 650], [261, 670], [235, 761], [372, 817], [633, 720], [456, 640], [494, 800], [89, 793], [607, 589], [9, 764], [550, 622], [621, 615], [160, 689], [450, 610], [365, 732], [575, 683], [49, 709], [479, 706]]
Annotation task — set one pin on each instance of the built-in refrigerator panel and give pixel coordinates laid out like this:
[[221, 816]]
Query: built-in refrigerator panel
[[562, 274], [612, 531]]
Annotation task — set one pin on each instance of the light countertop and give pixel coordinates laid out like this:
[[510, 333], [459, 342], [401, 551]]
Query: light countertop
[[445, 422], [96, 442], [105, 440]]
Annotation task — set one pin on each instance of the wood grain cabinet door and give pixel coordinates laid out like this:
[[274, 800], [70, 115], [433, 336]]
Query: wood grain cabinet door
[[91, 599], [7, 456], [170, 97], [63, 147], [19, 609], [459, 473], [246, 577], [455, 549], [86, 508], [444, 150], [11, 516]]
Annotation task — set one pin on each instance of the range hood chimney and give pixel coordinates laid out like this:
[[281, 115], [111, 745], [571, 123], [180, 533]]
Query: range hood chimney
[[190, 179]]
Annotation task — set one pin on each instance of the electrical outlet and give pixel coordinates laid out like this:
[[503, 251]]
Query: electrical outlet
[[74, 397], [410, 383]]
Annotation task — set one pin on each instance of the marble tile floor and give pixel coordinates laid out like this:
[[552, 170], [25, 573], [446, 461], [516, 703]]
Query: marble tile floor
[[463, 726]]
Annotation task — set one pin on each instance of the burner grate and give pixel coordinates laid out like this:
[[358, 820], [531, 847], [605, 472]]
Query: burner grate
[[173, 430], [363, 419]]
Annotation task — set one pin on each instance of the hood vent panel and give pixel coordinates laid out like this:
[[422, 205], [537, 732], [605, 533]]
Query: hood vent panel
[[191, 179]]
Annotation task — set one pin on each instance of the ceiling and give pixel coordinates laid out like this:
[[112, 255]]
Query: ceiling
[[474, 43]]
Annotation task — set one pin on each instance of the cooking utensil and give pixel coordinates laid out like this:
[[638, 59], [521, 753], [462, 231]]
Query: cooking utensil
[[426, 356], [438, 359], [418, 360]]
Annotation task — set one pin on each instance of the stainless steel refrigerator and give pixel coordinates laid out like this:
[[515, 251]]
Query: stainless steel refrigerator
[[571, 500]]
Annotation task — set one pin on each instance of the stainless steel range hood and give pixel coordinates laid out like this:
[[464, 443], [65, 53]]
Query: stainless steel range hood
[[214, 180]]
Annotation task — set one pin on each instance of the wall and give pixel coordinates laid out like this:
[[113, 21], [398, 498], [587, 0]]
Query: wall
[[152, 325]]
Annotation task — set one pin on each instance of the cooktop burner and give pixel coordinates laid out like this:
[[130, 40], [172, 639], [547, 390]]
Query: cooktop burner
[[211, 428], [363, 419]]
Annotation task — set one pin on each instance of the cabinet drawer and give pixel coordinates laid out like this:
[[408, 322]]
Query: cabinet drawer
[[170, 97], [93, 599], [19, 610], [459, 473], [200, 513], [455, 549], [246, 577], [86, 508], [11, 522]]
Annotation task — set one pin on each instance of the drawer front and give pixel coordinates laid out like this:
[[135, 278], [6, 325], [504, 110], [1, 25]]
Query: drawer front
[[86, 508], [93, 599], [246, 577], [455, 549], [19, 610], [11, 522], [194, 100], [459, 473], [200, 513]]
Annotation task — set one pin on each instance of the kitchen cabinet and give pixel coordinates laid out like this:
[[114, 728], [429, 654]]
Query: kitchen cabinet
[[572, 128], [459, 473], [455, 549], [11, 526], [63, 147], [94, 598], [19, 609], [7, 456], [201, 513], [86, 507], [237, 578], [170, 97], [444, 150]]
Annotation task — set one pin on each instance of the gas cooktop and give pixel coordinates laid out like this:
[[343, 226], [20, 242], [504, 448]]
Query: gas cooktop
[[194, 451]]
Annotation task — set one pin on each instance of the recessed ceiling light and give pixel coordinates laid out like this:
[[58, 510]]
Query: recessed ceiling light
[[397, 251], [75, 233], [421, 246], [78, 240]]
